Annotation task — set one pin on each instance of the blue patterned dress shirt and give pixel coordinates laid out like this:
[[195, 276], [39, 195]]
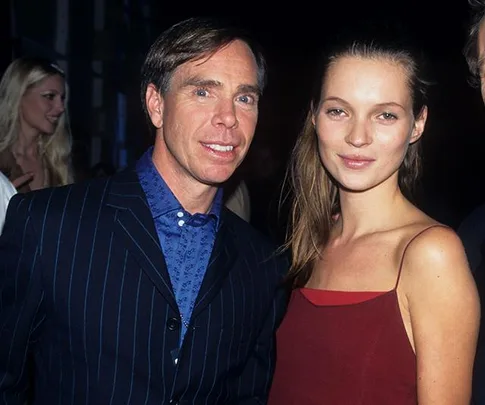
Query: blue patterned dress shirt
[[186, 240]]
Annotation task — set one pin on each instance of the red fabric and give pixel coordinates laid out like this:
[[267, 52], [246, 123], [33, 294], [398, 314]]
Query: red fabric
[[353, 350], [329, 297]]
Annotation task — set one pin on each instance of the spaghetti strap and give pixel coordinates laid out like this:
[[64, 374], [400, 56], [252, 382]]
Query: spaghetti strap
[[407, 245]]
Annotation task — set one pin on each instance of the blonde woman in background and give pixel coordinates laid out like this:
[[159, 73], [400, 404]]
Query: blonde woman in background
[[35, 141]]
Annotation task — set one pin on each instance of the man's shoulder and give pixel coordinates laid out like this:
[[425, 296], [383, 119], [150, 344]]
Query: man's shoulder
[[64, 198], [470, 221], [56, 195]]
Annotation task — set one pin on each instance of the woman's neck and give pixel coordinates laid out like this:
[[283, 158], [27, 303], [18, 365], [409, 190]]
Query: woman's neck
[[27, 142], [369, 211]]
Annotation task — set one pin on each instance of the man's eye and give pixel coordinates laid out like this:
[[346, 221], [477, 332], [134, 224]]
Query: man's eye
[[201, 92], [246, 99]]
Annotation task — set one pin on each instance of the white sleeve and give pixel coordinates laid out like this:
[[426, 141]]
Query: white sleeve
[[7, 190]]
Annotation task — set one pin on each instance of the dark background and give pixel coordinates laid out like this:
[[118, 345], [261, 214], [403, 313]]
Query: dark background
[[112, 129]]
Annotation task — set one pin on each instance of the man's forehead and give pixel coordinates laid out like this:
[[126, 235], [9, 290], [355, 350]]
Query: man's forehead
[[234, 60]]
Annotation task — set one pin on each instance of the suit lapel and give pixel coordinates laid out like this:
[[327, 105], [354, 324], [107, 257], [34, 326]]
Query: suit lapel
[[223, 255], [135, 227]]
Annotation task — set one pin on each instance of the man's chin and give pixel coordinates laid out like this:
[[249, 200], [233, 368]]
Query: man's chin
[[217, 179], [219, 182]]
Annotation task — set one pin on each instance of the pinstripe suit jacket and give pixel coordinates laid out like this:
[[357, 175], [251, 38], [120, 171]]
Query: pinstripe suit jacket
[[88, 315]]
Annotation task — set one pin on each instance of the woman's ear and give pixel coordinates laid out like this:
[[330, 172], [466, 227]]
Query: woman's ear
[[419, 125]]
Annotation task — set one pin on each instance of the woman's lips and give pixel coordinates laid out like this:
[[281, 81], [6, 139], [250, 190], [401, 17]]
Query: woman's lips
[[356, 162]]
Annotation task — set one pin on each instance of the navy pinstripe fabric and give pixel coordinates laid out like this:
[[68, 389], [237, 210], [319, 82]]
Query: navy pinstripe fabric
[[88, 316]]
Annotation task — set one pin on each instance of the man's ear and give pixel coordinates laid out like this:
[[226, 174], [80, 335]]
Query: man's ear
[[154, 103], [419, 125]]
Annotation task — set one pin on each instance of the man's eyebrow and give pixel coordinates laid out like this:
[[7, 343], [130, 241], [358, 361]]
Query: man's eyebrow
[[249, 88], [198, 82]]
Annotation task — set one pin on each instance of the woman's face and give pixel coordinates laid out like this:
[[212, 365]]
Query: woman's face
[[43, 105], [365, 121]]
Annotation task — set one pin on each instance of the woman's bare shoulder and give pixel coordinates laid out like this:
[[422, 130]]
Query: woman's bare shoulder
[[435, 259]]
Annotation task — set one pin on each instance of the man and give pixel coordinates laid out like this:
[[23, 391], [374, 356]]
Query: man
[[142, 288], [471, 230]]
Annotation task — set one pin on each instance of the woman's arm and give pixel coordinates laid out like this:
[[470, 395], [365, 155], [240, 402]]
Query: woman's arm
[[445, 315]]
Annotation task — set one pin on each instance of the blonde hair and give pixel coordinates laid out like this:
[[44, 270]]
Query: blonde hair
[[54, 149]]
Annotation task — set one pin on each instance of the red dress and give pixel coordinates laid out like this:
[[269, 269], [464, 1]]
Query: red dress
[[349, 348], [344, 348]]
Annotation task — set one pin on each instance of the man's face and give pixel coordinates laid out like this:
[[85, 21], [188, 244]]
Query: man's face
[[207, 117]]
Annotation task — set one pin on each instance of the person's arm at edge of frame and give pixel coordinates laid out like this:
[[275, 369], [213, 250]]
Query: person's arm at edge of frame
[[445, 315], [21, 299], [256, 378]]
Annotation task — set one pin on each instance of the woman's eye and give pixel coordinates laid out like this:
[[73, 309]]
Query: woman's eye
[[388, 116], [335, 112]]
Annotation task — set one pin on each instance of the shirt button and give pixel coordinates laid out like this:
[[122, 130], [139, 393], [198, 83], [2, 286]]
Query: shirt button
[[180, 214], [173, 324], [181, 222]]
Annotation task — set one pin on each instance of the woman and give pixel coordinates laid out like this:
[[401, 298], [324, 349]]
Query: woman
[[35, 142], [384, 309]]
